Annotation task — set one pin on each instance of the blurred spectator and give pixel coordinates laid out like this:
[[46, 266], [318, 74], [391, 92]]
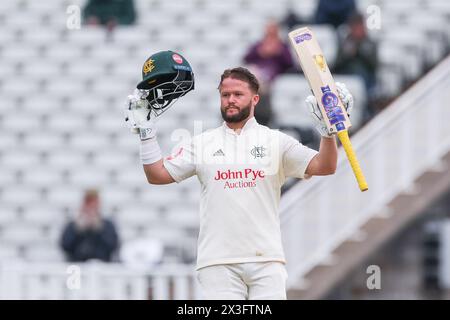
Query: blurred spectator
[[267, 59], [357, 54], [334, 12], [90, 236], [109, 13], [291, 20]]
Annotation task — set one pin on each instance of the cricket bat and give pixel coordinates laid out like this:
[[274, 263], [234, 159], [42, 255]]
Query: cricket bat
[[321, 81]]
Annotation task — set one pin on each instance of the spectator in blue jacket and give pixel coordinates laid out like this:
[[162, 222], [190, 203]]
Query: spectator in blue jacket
[[90, 236], [334, 12], [109, 13]]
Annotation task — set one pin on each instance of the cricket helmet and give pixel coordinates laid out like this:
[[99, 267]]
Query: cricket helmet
[[166, 76]]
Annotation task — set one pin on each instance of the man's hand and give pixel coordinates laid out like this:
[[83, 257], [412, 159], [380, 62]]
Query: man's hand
[[137, 115], [312, 106], [88, 219]]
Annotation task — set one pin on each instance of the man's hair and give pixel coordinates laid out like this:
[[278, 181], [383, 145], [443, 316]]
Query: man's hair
[[243, 74], [355, 18], [90, 194]]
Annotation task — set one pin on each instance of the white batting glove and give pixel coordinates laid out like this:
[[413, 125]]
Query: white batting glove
[[312, 106], [137, 115], [345, 96]]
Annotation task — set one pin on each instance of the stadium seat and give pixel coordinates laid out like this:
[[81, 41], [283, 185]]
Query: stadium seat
[[14, 122], [356, 86], [18, 87], [135, 214], [40, 104], [65, 196], [127, 234], [412, 52], [130, 68], [9, 215], [89, 141], [7, 142], [9, 6], [68, 86], [39, 214], [142, 254], [119, 89], [430, 26], [89, 177], [132, 175], [44, 6], [159, 196], [114, 195], [267, 9], [126, 36], [23, 18], [8, 252], [175, 6], [289, 94], [65, 158], [164, 233], [112, 159], [21, 233], [88, 104], [42, 177], [391, 74], [39, 36], [217, 35], [10, 176], [44, 253], [66, 122], [88, 35], [18, 159], [85, 68], [64, 53], [10, 67], [183, 215], [44, 140]]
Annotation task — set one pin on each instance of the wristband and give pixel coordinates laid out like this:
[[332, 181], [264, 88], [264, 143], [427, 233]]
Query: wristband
[[150, 151]]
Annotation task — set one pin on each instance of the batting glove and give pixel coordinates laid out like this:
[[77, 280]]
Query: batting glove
[[137, 115], [313, 107]]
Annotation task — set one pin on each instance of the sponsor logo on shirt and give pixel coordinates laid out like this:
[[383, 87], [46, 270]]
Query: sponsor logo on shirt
[[219, 153], [248, 178], [241, 174]]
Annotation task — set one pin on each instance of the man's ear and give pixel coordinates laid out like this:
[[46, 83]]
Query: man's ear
[[255, 99]]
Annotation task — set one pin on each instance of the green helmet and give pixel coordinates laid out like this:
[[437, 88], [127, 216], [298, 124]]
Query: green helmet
[[166, 76]]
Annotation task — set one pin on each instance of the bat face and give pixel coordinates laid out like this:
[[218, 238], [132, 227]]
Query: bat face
[[316, 71]]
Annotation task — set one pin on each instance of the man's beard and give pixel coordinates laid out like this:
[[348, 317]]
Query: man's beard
[[243, 114]]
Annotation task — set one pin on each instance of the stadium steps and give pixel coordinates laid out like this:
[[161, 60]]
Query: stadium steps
[[403, 209]]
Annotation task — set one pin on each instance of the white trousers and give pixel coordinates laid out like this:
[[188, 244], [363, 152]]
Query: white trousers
[[243, 281]]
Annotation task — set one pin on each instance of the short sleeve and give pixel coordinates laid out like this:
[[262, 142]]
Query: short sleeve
[[296, 157], [181, 164]]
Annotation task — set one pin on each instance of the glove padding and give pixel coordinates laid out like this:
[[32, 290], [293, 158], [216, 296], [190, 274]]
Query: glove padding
[[312, 106], [137, 115]]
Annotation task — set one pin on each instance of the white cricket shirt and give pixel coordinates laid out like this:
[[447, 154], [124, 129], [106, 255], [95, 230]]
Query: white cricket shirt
[[241, 177]]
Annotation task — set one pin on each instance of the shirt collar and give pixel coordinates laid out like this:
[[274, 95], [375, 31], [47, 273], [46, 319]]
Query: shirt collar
[[251, 123]]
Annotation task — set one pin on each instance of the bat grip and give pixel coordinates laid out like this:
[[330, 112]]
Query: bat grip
[[345, 141]]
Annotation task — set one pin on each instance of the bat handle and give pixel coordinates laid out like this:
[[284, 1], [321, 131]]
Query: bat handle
[[345, 141]]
